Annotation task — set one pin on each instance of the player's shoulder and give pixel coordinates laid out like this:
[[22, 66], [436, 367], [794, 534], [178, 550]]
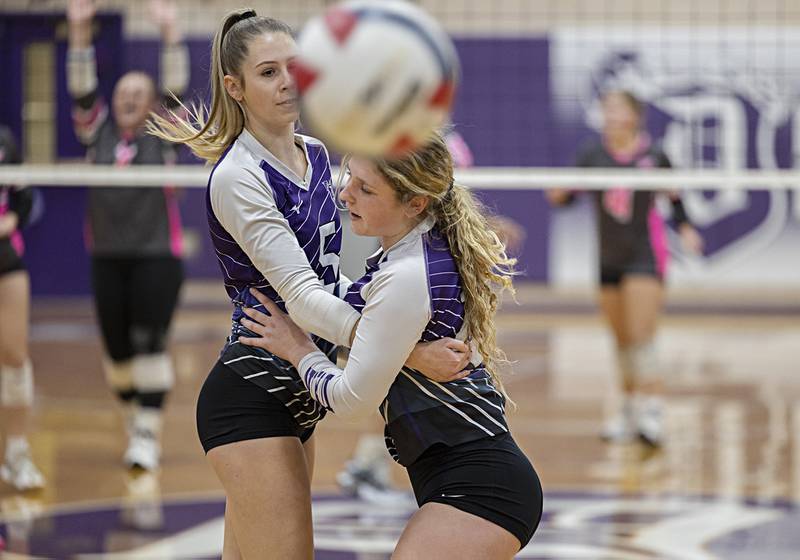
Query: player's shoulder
[[310, 140], [8, 146], [237, 165], [657, 149], [401, 284], [314, 144], [406, 264], [591, 146], [658, 153], [589, 151]]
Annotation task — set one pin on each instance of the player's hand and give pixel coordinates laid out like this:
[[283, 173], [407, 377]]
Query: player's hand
[[164, 13], [277, 332], [441, 360], [691, 239], [557, 197], [81, 12]]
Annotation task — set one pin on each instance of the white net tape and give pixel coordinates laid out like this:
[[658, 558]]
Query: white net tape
[[489, 178]]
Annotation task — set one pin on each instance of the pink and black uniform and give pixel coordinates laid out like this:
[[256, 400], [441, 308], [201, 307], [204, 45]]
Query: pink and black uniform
[[133, 234], [632, 234], [127, 221], [18, 201]]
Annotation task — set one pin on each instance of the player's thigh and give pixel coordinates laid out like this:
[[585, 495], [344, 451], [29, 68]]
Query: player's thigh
[[14, 311], [155, 288], [442, 531], [643, 297], [267, 483], [310, 449], [230, 547], [611, 304], [110, 289]]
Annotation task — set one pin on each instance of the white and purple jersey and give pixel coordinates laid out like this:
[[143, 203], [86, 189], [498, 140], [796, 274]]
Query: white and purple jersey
[[280, 233], [410, 293]]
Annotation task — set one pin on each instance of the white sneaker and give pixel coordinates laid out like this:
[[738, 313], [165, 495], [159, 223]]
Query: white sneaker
[[20, 472], [144, 451], [620, 428], [650, 423]]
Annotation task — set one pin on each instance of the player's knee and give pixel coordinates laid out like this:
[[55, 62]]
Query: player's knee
[[153, 372], [148, 339], [119, 374], [645, 361], [639, 336], [14, 357], [16, 385], [626, 366]]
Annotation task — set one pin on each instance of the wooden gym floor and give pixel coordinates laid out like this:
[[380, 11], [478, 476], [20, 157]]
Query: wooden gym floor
[[733, 416]]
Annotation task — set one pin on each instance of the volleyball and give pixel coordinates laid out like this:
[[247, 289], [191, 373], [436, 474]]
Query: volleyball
[[375, 78]]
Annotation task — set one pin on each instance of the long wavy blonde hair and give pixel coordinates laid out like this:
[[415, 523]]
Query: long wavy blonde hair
[[485, 268], [209, 132]]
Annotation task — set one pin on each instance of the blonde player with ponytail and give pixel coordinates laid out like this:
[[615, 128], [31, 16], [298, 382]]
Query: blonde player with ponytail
[[438, 273], [276, 232]]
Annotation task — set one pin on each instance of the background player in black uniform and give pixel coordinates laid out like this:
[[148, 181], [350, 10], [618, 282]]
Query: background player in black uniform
[[16, 373], [633, 260], [133, 234]]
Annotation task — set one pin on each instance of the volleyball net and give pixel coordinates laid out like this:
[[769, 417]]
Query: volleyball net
[[481, 178], [749, 219]]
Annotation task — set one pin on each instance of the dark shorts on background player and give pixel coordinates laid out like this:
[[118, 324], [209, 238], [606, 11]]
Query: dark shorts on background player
[[15, 265], [613, 275], [641, 260]]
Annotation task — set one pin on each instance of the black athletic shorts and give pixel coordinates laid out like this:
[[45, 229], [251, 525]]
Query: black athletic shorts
[[612, 275], [490, 477], [10, 261], [12, 266], [231, 409]]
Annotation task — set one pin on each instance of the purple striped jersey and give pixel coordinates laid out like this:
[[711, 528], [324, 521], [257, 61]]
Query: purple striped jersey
[[410, 293], [311, 215], [267, 222]]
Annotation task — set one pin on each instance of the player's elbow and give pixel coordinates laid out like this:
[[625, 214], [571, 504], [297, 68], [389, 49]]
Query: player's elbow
[[299, 291]]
